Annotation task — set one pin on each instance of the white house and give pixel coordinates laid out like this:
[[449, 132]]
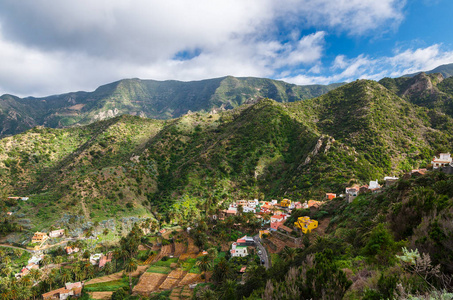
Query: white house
[[374, 185], [56, 233], [233, 206], [441, 161], [247, 209], [94, 258], [238, 250]]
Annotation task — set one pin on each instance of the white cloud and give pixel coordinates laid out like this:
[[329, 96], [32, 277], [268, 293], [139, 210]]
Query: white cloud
[[51, 47], [365, 67], [353, 16]]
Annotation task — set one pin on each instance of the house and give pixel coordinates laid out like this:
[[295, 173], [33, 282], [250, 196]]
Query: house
[[35, 259], [39, 237], [390, 180], [253, 202], [94, 258], [285, 228], [247, 209], [242, 202], [364, 189], [276, 221], [374, 185], [266, 209], [274, 202], [76, 287], [305, 224], [24, 198], [237, 250], [245, 241], [32, 266], [56, 233], [330, 196], [314, 203], [9, 213], [69, 250], [23, 272], [351, 193], [286, 203], [70, 290], [441, 161], [105, 259], [262, 232], [297, 205], [418, 172]]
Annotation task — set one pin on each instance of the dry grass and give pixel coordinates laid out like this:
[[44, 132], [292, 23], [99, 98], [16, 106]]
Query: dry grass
[[101, 295], [168, 283], [148, 283], [190, 278], [117, 276], [176, 274]]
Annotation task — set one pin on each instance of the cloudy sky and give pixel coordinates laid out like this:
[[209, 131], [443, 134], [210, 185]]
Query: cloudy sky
[[50, 47]]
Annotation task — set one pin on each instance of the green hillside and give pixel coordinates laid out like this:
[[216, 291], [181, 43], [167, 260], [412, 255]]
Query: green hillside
[[146, 98], [427, 90], [131, 166]]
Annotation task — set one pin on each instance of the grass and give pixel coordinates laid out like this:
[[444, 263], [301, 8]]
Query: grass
[[158, 269], [107, 286], [188, 264], [167, 263]]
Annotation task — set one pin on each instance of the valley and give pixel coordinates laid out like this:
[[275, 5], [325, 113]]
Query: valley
[[175, 207]]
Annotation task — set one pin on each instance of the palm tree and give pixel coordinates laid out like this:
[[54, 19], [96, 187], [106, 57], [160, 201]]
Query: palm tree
[[204, 264], [46, 260], [50, 280], [66, 276], [289, 254], [6, 269], [108, 268], [212, 253], [35, 274], [228, 289], [58, 260], [131, 266], [90, 272]]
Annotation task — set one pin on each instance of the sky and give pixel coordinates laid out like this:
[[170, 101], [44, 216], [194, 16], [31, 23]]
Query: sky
[[50, 47]]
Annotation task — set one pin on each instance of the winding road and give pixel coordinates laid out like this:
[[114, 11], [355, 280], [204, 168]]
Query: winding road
[[263, 255]]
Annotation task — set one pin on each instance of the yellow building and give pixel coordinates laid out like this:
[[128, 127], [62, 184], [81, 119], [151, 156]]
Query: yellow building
[[285, 203], [39, 237], [305, 224]]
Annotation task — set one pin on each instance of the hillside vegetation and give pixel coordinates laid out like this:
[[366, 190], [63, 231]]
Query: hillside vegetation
[[176, 169]]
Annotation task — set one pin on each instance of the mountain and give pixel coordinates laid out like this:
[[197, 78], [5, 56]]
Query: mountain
[[178, 168], [427, 90], [146, 98], [445, 70]]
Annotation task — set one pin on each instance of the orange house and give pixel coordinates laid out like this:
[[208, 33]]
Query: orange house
[[330, 196]]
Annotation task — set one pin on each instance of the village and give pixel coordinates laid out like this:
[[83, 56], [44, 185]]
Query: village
[[173, 260]]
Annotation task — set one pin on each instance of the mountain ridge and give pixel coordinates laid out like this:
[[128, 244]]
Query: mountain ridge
[[146, 98]]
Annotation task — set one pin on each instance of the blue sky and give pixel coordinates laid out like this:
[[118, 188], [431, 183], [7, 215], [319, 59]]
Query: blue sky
[[50, 47]]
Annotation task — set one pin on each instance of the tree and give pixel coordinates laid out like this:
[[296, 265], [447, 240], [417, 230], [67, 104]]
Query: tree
[[222, 271], [204, 264], [288, 254], [66, 276], [108, 268], [105, 232], [131, 266], [228, 289], [86, 254]]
